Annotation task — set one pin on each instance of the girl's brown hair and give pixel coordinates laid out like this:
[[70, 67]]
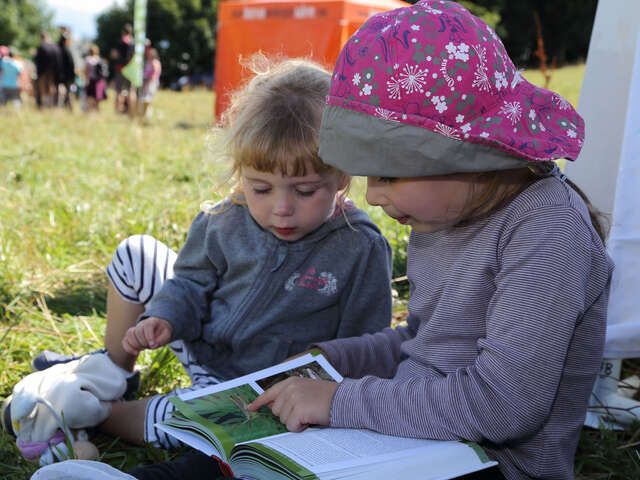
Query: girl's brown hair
[[273, 121], [495, 189]]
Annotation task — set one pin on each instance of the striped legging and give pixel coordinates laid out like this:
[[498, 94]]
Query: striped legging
[[139, 268]]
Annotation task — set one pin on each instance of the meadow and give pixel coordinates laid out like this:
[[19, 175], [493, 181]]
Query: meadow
[[72, 186]]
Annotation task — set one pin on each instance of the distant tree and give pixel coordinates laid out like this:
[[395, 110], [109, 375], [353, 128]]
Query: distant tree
[[487, 13], [566, 28], [183, 32], [21, 22]]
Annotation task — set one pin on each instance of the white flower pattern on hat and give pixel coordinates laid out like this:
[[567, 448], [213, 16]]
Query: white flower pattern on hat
[[480, 77], [459, 52], [386, 114], [448, 131], [501, 80], [439, 103], [393, 87], [561, 102], [412, 78], [512, 110]]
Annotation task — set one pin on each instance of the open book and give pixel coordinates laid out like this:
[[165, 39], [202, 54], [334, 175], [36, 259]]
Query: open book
[[256, 445]]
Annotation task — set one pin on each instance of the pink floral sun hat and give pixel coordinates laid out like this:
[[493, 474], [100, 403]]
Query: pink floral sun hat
[[429, 89]]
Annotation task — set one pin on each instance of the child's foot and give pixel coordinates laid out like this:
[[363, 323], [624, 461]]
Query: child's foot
[[47, 359], [5, 417]]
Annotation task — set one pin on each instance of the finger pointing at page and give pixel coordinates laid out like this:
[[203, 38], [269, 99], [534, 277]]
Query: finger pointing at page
[[299, 402]]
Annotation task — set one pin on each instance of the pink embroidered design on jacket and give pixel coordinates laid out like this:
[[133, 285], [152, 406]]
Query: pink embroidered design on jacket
[[324, 283]]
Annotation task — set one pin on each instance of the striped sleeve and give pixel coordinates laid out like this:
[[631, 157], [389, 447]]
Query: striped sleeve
[[371, 354]]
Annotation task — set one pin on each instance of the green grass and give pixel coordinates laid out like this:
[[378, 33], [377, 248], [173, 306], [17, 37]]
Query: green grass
[[72, 186]]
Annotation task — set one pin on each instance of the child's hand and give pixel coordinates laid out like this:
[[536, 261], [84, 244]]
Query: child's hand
[[152, 332], [299, 402]]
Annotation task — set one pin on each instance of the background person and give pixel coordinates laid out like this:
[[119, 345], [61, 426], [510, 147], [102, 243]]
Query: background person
[[121, 55], [67, 75], [11, 70], [4, 52], [95, 73], [48, 62], [152, 72], [25, 79]]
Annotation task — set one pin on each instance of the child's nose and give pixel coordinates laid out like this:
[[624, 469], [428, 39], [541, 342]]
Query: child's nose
[[283, 206]]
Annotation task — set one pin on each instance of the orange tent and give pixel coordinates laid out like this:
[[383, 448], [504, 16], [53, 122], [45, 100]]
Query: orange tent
[[313, 28]]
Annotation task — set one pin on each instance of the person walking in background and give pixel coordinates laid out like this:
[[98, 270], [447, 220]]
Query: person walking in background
[[4, 52], [11, 69], [152, 72], [25, 82], [121, 55], [48, 61], [95, 74], [67, 71]]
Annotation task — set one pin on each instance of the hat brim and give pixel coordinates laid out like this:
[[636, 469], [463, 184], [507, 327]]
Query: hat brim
[[361, 144]]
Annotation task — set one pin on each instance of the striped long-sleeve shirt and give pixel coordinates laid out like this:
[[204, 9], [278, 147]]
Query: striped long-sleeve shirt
[[504, 337]]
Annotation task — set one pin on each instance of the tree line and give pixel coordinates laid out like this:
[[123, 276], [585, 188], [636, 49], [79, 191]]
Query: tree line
[[183, 31]]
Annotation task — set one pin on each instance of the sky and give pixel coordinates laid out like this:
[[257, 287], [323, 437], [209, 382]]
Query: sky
[[79, 15]]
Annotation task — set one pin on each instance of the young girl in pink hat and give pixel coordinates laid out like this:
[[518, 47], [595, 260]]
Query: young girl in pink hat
[[509, 275]]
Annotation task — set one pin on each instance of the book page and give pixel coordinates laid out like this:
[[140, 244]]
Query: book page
[[332, 450], [189, 438], [322, 369]]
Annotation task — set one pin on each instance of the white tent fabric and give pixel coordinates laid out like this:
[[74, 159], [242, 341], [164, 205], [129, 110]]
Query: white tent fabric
[[623, 332], [608, 169]]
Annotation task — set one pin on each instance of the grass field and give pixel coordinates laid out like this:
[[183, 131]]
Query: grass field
[[72, 186]]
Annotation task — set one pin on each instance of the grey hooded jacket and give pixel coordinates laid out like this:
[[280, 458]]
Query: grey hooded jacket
[[242, 299]]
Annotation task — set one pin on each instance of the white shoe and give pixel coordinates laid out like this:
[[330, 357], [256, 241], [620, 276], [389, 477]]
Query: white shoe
[[80, 470]]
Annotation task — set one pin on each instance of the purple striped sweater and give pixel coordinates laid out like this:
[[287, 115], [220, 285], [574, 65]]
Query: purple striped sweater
[[504, 338]]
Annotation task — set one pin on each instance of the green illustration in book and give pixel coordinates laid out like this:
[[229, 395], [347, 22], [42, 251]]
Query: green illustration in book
[[228, 409]]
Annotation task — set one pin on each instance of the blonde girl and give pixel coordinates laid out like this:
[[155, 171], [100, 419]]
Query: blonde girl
[[284, 261]]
